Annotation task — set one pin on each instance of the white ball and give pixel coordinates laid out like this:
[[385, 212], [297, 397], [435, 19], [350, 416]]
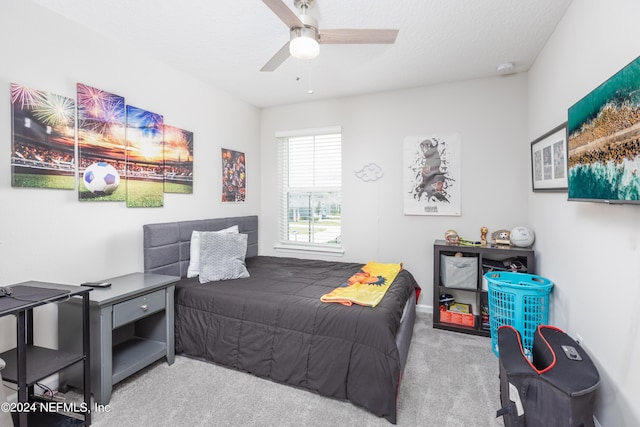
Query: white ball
[[101, 178], [522, 237]]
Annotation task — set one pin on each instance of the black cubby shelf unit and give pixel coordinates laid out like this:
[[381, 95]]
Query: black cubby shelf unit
[[469, 288]]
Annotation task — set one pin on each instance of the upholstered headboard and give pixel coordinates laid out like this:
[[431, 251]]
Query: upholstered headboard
[[166, 246]]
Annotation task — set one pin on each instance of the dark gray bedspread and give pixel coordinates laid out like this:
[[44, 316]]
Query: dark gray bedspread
[[274, 325]]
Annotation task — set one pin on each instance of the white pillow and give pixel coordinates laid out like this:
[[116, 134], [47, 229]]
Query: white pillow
[[194, 257], [222, 256]]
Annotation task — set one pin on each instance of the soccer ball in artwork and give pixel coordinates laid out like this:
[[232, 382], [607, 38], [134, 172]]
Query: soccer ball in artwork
[[101, 178], [522, 237]]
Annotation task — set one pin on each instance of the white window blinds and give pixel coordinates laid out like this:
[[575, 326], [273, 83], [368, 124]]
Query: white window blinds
[[310, 180], [315, 162]]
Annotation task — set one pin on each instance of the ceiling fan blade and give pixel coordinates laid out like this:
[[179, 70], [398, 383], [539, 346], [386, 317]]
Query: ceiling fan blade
[[357, 36], [284, 13], [277, 59]]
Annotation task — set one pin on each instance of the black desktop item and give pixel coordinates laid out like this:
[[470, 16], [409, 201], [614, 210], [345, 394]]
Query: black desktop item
[[96, 284], [21, 295]]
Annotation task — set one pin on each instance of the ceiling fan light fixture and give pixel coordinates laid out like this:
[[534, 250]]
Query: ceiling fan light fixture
[[305, 37], [303, 44]]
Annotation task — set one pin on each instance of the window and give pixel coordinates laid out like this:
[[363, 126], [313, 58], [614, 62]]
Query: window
[[310, 183]]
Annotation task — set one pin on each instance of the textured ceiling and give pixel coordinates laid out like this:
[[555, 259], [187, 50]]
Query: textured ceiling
[[225, 43]]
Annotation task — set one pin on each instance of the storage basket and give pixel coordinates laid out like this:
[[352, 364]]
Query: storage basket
[[520, 300], [459, 272]]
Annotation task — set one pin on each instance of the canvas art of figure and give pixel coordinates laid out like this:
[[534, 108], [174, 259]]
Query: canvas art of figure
[[430, 172], [431, 175]]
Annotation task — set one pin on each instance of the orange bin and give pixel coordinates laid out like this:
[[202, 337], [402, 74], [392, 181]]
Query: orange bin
[[464, 319]]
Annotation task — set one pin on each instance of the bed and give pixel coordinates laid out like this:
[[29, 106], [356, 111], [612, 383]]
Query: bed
[[273, 324]]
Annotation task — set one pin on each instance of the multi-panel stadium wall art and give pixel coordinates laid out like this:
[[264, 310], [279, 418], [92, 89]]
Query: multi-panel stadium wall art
[[178, 160], [145, 158], [124, 153], [43, 139], [101, 144]]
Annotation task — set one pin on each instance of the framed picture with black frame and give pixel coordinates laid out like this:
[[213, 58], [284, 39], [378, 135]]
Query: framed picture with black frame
[[549, 160]]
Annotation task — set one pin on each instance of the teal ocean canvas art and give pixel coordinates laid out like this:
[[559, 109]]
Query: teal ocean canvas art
[[604, 141]]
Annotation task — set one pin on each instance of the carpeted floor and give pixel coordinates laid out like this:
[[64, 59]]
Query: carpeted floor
[[451, 380]]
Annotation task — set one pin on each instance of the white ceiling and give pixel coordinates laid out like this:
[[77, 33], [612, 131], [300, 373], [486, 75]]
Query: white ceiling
[[226, 42]]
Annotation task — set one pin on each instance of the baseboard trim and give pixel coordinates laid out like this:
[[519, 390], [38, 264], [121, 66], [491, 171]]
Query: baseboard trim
[[421, 308]]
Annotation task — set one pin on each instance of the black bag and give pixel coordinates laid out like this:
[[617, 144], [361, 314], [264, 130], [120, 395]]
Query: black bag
[[556, 389]]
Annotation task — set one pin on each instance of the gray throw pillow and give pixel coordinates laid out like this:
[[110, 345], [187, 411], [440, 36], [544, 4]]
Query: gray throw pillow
[[222, 256], [194, 256]]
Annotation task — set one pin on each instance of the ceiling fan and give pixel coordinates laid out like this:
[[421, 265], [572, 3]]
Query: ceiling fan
[[305, 37]]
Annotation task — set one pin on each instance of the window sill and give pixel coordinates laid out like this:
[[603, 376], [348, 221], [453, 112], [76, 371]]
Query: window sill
[[280, 247]]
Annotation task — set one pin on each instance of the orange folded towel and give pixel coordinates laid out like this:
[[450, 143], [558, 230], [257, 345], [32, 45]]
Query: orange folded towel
[[366, 287]]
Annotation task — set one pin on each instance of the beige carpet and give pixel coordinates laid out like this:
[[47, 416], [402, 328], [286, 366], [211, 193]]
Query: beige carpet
[[451, 380]]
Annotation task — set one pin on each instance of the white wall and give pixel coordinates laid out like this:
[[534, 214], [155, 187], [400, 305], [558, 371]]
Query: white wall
[[490, 116], [49, 235], [591, 251]]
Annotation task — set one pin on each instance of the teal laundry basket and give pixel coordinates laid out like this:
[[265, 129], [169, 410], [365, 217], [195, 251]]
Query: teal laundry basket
[[520, 300]]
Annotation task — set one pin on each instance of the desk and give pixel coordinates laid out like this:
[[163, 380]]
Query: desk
[[29, 363], [132, 326]]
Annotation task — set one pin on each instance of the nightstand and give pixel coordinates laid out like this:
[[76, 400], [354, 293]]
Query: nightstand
[[131, 326]]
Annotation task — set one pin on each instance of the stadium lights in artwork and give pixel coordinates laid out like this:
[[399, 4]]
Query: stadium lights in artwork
[[101, 144], [124, 153], [145, 158], [178, 160], [43, 139]]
